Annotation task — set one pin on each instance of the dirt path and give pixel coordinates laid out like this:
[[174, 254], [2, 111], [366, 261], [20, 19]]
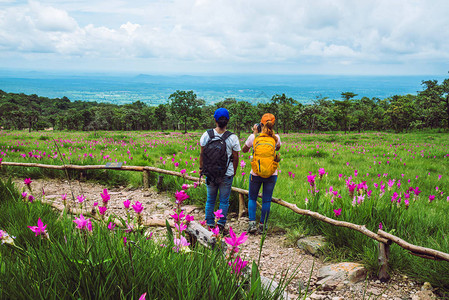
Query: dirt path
[[277, 255]]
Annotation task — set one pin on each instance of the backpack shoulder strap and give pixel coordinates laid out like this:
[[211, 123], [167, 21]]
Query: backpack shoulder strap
[[226, 135], [211, 134]]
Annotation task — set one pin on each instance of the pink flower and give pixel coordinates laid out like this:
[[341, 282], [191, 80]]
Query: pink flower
[[431, 198], [181, 196], [111, 226], [82, 223], [142, 297], [180, 227], [235, 241], [180, 243], [105, 196], [185, 186], [360, 199], [183, 171], [176, 164], [24, 195], [40, 229], [321, 172], [127, 203], [138, 208], [215, 231], [242, 164], [416, 191], [80, 198], [189, 218], [238, 265], [178, 217], [406, 202], [125, 240], [218, 214], [394, 197], [380, 226], [337, 212], [311, 180], [64, 197], [31, 198], [102, 210], [27, 181]]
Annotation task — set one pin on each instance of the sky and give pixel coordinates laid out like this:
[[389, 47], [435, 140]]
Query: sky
[[348, 37]]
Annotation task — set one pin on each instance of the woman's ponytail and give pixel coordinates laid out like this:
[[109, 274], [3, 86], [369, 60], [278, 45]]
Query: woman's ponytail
[[268, 130]]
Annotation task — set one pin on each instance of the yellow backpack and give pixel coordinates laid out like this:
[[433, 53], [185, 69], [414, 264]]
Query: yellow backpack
[[264, 154]]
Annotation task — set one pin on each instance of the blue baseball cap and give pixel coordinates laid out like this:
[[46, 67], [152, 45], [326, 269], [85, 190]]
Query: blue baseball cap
[[221, 112]]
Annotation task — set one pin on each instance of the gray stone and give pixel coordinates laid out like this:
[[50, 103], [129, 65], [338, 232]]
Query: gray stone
[[161, 206], [316, 296], [311, 244], [424, 295], [375, 291], [426, 287], [346, 272], [272, 286]]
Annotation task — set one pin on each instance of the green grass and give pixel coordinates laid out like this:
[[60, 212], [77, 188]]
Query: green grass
[[76, 264], [416, 157]]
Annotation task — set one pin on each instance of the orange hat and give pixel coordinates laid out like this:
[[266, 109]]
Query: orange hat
[[267, 117]]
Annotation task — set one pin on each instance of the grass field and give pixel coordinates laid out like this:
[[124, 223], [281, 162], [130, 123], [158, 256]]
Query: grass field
[[397, 181]]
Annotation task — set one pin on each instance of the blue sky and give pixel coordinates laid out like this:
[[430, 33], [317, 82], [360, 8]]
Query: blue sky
[[393, 37]]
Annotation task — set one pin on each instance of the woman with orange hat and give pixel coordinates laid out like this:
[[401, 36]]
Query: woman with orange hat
[[263, 169]]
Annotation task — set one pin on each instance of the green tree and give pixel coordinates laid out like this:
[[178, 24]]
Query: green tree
[[285, 109], [401, 112], [437, 96], [185, 105], [242, 116]]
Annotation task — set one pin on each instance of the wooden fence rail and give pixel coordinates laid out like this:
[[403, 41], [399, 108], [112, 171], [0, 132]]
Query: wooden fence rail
[[384, 239]]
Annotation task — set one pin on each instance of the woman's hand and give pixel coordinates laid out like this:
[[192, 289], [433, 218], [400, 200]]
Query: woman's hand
[[255, 131]]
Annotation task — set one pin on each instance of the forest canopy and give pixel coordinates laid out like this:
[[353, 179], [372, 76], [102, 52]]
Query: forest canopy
[[185, 111]]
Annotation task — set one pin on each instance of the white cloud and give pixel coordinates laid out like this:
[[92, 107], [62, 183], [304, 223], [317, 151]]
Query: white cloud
[[205, 33]]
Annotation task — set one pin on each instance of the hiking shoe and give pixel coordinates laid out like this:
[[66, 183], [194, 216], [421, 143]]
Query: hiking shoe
[[261, 228], [252, 227], [223, 230]]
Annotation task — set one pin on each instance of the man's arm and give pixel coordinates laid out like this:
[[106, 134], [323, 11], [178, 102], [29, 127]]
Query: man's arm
[[235, 160], [201, 160]]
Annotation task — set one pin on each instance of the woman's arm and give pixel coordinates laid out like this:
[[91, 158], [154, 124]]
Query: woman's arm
[[245, 148]]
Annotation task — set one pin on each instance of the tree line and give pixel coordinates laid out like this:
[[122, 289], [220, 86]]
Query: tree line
[[185, 111]]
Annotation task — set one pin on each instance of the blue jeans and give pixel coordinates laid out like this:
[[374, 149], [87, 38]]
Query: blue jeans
[[267, 192], [225, 191]]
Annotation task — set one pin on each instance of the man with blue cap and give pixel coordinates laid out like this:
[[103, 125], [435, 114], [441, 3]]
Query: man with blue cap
[[219, 159]]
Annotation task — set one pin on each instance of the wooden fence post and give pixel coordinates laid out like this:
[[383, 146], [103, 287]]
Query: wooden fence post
[[384, 254], [242, 207], [146, 179], [160, 182]]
